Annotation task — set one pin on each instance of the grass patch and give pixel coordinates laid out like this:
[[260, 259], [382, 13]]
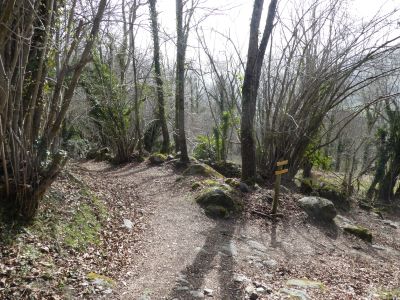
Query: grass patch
[[84, 229]]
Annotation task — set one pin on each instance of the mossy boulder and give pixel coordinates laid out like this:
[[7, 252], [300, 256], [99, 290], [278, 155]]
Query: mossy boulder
[[210, 182], [219, 201], [325, 190], [201, 170], [157, 158], [205, 183], [233, 182], [102, 154], [227, 168], [216, 211], [318, 208], [335, 194], [359, 231]]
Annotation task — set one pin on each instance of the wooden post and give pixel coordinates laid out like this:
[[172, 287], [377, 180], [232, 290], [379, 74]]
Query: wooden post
[[278, 174]]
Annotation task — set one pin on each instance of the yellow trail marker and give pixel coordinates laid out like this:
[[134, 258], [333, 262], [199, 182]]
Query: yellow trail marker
[[282, 163], [278, 174]]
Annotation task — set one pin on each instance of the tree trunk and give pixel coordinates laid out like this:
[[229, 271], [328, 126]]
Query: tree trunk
[[386, 186], [180, 83], [255, 57], [159, 81]]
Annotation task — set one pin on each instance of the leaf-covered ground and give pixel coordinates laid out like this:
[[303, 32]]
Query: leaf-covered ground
[[134, 232]]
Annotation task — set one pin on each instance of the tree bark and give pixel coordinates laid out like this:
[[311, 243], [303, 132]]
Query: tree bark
[[180, 83], [159, 81], [255, 57]]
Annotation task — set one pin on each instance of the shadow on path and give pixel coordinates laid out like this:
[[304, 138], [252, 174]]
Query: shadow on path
[[218, 254]]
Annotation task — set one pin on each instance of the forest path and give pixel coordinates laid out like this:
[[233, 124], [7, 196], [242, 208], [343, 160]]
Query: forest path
[[183, 251], [185, 255]]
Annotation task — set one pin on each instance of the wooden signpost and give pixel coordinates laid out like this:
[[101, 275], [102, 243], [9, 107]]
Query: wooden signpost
[[278, 174]]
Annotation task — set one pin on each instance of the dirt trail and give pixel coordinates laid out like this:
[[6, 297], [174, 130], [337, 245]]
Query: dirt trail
[[185, 255]]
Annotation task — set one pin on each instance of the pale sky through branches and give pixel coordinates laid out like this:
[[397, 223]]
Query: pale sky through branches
[[233, 19]]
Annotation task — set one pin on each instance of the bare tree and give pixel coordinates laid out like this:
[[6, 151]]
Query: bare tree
[[255, 57], [159, 81], [324, 60], [181, 45], [30, 116]]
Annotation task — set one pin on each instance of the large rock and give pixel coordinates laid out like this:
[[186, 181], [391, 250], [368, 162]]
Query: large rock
[[318, 208], [202, 170], [218, 201], [227, 168], [157, 158], [359, 231], [101, 154]]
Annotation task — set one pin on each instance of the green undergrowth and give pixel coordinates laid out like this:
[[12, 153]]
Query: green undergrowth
[[78, 226], [390, 294], [70, 221]]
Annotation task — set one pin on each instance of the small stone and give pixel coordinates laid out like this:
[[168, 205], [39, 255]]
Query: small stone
[[249, 289], [253, 296], [391, 224], [296, 294], [202, 250], [45, 249], [208, 292], [240, 278], [305, 283], [229, 249], [197, 294], [257, 246], [378, 247], [128, 224], [260, 290], [182, 288], [271, 263], [183, 281]]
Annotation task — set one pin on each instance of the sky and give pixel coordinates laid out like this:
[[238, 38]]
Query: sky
[[233, 19]]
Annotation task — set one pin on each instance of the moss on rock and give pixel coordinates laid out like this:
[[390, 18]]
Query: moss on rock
[[201, 170], [325, 190], [216, 211], [233, 182], [215, 198], [227, 168], [305, 283], [389, 294], [196, 186], [210, 182], [359, 231], [103, 280], [157, 158]]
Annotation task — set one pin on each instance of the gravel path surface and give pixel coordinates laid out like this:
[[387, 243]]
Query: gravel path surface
[[186, 255]]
